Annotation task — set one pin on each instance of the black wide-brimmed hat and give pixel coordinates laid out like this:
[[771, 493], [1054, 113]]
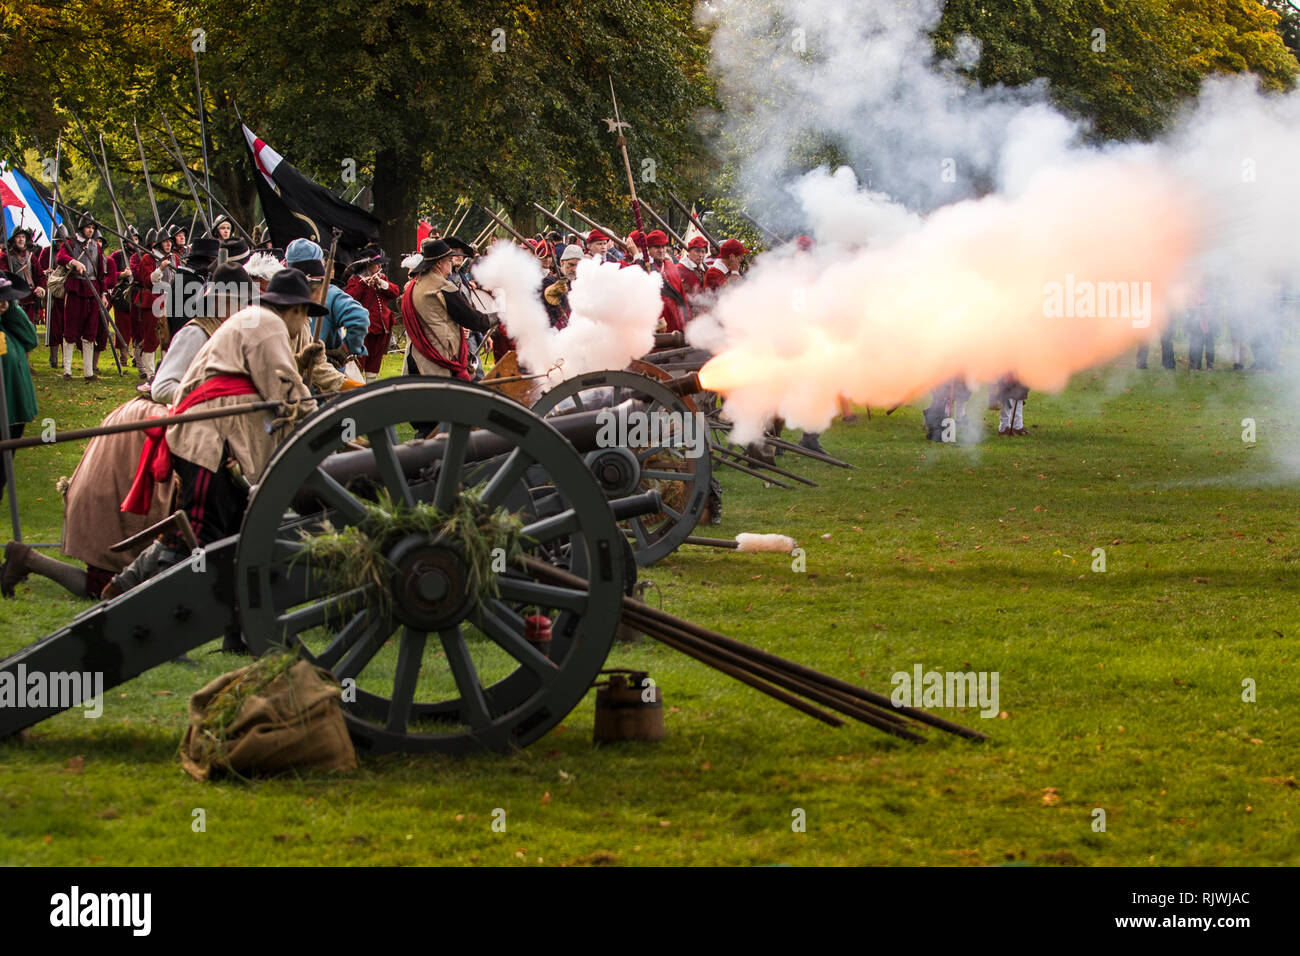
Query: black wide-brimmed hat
[[289, 287], [460, 246], [236, 249], [23, 230], [13, 288], [431, 251], [225, 275], [202, 252]]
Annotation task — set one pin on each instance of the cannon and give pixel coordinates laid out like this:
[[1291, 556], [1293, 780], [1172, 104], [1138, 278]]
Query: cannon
[[439, 668]]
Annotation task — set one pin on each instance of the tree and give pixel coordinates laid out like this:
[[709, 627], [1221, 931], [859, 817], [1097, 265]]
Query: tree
[[1125, 68]]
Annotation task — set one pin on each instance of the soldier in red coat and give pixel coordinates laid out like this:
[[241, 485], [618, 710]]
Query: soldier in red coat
[[725, 268], [153, 265], [86, 292], [694, 266], [372, 288], [676, 310]]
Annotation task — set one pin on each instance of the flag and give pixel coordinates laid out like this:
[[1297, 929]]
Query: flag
[[422, 232], [26, 205], [297, 208], [691, 229]]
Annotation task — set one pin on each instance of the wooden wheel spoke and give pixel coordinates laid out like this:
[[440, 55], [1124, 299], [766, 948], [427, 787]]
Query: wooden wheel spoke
[[383, 443], [505, 628], [316, 614], [526, 591], [638, 529], [336, 496], [363, 651], [474, 707], [670, 511], [453, 461], [654, 450], [548, 529], [409, 656], [511, 470], [344, 639]]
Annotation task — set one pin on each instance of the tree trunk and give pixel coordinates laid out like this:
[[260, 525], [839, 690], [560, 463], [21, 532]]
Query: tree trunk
[[395, 202]]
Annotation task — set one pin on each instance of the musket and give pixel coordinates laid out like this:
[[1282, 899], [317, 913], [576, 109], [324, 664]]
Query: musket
[[660, 219], [508, 228], [144, 164], [691, 216], [556, 219], [54, 222], [616, 126], [189, 181], [324, 290], [761, 228], [594, 225], [479, 238]]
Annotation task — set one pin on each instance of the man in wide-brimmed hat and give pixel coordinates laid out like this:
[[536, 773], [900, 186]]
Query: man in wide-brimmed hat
[[249, 358], [437, 316], [369, 285], [22, 260], [86, 293]]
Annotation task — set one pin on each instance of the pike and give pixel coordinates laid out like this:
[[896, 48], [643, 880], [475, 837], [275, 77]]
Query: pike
[[691, 216], [483, 235], [446, 230], [555, 218], [203, 138], [461, 221], [508, 228], [185, 169], [242, 230], [144, 164], [594, 225], [663, 222], [54, 222], [616, 126]]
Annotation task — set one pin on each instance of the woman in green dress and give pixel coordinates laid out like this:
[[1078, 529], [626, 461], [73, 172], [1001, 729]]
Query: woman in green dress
[[20, 338]]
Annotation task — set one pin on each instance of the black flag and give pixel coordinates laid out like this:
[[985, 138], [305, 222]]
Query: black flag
[[297, 208]]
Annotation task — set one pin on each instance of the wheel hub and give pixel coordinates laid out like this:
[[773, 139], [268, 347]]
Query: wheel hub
[[430, 583]]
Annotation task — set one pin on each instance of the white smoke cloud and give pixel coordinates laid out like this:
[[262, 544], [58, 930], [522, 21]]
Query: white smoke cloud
[[614, 312], [974, 203]]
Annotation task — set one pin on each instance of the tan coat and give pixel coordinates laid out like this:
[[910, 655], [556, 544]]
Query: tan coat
[[442, 331], [252, 342], [92, 515]]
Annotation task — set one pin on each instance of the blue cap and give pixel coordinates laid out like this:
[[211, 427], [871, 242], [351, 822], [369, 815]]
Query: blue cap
[[302, 250]]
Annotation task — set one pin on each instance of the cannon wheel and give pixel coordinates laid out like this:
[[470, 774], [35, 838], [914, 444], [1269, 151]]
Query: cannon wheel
[[436, 669], [681, 479]]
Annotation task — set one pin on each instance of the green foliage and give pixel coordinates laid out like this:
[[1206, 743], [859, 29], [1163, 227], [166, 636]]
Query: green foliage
[[1129, 79]]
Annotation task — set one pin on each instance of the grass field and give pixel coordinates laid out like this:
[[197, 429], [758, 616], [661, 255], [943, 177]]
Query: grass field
[[1120, 690]]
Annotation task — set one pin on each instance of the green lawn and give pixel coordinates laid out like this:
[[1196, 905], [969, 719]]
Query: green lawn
[[1119, 690]]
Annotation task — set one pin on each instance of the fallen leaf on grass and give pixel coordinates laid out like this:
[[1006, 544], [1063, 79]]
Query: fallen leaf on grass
[[1050, 797], [546, 797]]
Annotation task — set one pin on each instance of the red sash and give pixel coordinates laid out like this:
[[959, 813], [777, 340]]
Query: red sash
[[420, 340], [156, 458]]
